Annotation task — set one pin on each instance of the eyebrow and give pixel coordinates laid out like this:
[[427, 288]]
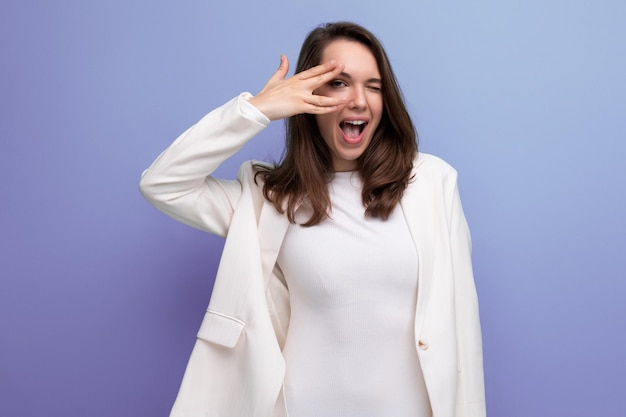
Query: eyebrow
[[369, 80]]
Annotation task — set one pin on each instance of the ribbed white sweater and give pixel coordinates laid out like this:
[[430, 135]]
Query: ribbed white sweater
[[350, 349]]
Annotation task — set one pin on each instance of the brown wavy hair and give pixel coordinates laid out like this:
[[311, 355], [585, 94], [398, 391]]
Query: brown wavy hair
[[385, 166]]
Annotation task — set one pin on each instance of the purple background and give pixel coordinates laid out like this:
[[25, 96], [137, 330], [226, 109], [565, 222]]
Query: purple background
[[101, 295]]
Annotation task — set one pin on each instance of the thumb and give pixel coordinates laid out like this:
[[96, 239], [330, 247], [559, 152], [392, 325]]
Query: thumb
[[282, 70]]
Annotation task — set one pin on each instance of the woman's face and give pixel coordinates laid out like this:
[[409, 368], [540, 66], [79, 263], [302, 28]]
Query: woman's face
[[349, 130]]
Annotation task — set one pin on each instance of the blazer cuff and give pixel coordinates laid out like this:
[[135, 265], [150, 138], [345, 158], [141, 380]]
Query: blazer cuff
[[248, 111]]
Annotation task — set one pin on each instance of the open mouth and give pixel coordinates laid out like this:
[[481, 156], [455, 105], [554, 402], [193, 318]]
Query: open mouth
[[352, 129]]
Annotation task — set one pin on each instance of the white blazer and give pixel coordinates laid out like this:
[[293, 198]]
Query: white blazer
[[236, 368]]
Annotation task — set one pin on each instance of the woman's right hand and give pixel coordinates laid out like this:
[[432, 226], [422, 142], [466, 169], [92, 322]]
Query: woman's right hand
[[281, 98]]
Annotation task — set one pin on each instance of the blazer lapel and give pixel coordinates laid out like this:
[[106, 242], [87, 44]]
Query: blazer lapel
[[272, 229], [418, 209]]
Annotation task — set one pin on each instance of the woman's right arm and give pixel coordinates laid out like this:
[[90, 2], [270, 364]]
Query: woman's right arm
[[179, 183]]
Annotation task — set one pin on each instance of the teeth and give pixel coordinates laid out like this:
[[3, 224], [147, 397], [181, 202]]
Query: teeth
[[355, 122]]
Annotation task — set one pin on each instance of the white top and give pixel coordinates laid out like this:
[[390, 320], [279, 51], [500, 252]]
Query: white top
[[350, 349]]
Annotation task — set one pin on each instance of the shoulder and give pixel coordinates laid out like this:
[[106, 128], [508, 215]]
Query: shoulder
[[430, 165], [249, 168], [248, 171]]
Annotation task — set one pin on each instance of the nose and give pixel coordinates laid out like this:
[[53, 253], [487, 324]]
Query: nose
[[358, 100]]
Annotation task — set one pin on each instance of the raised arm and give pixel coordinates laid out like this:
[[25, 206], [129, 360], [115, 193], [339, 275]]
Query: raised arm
[[179, 181]]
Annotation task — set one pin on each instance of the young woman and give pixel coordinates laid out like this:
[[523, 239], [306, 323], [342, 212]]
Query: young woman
[[345, 287]]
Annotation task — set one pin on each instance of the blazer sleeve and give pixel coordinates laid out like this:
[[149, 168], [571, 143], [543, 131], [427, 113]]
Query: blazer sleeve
[[470, 382], [179, 181]]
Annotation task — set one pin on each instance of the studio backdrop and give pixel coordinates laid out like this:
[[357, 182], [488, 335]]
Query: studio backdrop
[[101, 295]]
